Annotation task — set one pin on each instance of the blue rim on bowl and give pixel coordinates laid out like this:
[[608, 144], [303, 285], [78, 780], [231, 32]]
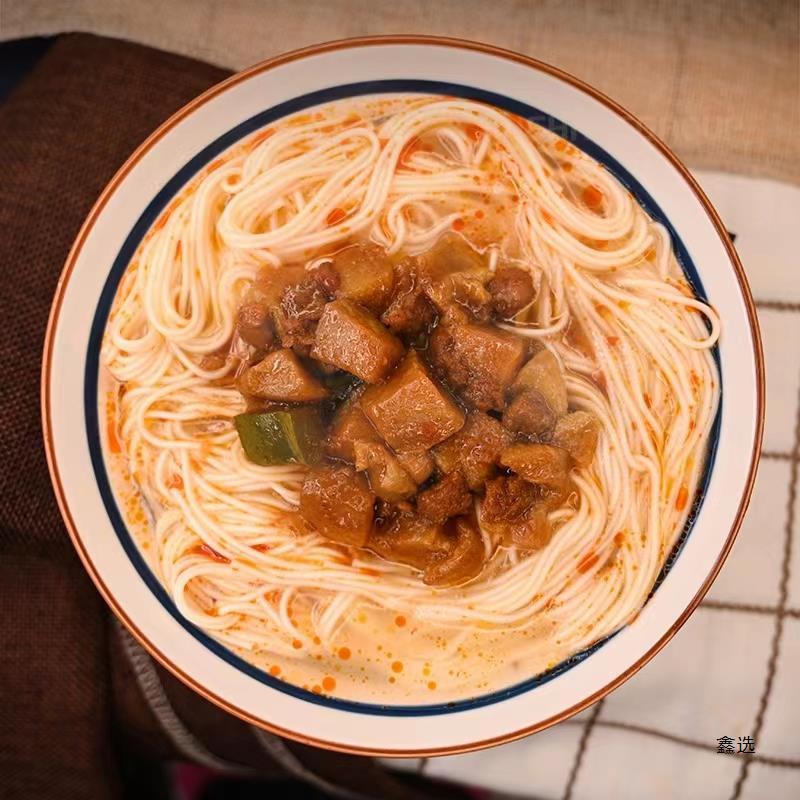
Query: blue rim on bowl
[[160, 202]]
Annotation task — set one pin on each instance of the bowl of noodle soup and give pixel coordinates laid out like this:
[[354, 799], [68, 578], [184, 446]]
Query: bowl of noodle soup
[[399, 379]]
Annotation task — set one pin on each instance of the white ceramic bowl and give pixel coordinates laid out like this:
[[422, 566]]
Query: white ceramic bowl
[[194, 136]]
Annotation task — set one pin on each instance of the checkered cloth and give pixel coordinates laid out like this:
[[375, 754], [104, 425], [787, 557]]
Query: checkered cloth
[[733, 670]]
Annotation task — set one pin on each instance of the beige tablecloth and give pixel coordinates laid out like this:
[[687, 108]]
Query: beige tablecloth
[[720, 82]]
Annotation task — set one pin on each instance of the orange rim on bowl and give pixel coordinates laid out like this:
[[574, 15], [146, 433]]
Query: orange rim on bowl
[[266, 66]]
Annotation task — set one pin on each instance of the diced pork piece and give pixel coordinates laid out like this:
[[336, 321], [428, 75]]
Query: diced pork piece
[[511, 289], [543, 374], [327, 278], [538, 463], [295, 317], [302, 303], [450, 497], [299, 337], [266, 292], [531, 533], [280, 377], [452, 275], [451, 255], [529, 414], [508, 499], [365, 276], [514, 513], [460, 298], [462, 562], [409, 312], [419, 464], [577, 433], [479, 362], [271, 282], [349, 426], [554, 497], [474, 450], [387, 478], [254, 324], [336, 501], [410, 410], [350, 338], [408, 539]]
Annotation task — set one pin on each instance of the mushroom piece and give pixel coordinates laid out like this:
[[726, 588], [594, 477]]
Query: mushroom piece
[[577, 433], [387, 478], [543, 374]]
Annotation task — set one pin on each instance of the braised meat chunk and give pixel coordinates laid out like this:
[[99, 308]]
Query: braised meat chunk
[[452, 255], [419, 464], [254, 324], [508, 498], [460, 299], [409, 539], [511, 289], [462, 561], [450, 497], [479, 362], [295, 317], [281, 377], [336, 501], [453, 277], [514, 512], [474, 450], [302, 303], [446, 555], [350, 338], [538, 463], [410, 410], [260, 318], [410, 312], [327, 278], [349, 427], [271, 282], [365, 276], [431, 434]]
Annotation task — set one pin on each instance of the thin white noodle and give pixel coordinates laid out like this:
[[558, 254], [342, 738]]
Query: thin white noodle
[[610, 275]]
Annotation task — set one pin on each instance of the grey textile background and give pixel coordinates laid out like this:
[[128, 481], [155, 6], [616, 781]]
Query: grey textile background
[[718, 80]]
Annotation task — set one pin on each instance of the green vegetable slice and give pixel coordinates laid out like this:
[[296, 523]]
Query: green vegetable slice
[[282, 437], [339, 383]]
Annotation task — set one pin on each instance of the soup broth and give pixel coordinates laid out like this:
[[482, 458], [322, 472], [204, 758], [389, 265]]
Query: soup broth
[[407, 399]]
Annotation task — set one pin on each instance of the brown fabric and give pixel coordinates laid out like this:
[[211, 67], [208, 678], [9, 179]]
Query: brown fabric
[[65, 130], [54, 709], [66, 688]]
